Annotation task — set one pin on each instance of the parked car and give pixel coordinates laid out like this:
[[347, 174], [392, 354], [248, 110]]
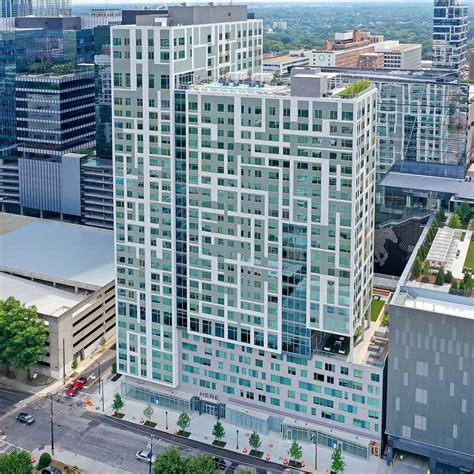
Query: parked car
[[25, 418], [51, 470], [72, 391], [83, 379], [78, 384], [220, 464], [145, 456]]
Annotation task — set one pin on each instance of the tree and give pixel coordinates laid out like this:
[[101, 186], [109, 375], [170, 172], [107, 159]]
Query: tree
[[118, 403], [202, 464], [454, 221], [440, 216], [467, 282], [296, 451], [255, 441], [74, 364], [337, 461], [417, 267], [171, 462], [41, 67], [23, 335], [218, 431], [16, 462], [148, 412], [439, 277], [464, 212], [63, 68], [44, 461], [183, 421], [426, 269], [448, 277]]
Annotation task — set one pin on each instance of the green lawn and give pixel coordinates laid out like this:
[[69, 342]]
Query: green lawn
[[469, 262], [375, 309]]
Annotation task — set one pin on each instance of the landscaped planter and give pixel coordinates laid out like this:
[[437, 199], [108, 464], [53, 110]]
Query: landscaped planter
[[255, 453], [151, 424], [295, 464], [184, 434], [118, 415], [219, 444]]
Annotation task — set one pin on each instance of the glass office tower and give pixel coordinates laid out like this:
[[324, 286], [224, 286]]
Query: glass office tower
[[450, 24]]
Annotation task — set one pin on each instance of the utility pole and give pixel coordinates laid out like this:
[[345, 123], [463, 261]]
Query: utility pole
[[103, 409], [98, 365], [64, 362], [52, 425]]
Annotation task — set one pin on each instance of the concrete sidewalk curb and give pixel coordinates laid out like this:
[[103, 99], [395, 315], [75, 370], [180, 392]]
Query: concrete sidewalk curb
[[203, 447]]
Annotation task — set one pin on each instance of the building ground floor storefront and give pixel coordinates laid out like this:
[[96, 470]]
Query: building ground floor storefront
[[249, 418]]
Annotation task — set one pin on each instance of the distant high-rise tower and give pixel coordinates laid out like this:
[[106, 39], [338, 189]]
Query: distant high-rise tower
[[12, 8], [52, 7], [450, 35]]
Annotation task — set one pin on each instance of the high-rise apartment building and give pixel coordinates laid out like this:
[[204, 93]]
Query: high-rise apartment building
[[244, 232], [52, 7], [450, 24]]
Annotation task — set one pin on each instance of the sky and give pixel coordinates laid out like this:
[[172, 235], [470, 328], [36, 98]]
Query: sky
[[112, 3]]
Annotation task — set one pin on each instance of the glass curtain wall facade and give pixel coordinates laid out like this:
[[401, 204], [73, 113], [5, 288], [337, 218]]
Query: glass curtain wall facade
[[450, 34]]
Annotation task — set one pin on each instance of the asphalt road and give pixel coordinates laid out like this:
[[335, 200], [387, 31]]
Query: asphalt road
[[103, 438], [10, 397], [106, 439]]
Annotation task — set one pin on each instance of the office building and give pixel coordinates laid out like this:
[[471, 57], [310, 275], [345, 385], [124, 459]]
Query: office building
[[13, 8], [423, 116], [101, 17], [282, 63], [55, 113], [450, 25], [52, 7], [399, 56], [244, 256], [67, 272], [360, 49], [97, 199], [431, 361], [471, 65]]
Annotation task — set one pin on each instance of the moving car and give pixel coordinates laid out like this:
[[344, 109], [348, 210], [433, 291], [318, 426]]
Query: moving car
[[83, 379], [220, 464], [25, 418], [145, 456]]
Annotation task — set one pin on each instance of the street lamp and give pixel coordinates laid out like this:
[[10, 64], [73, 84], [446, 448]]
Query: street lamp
[[151, 453], [166, 416], [237, 439], [315, 441], [52, 425]]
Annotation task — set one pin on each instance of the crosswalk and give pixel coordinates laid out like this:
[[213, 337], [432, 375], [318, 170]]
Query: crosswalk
[[80, 397], [6, 447]]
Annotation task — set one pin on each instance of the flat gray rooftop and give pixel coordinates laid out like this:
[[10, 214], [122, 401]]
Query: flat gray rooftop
[[57, 251], [49, 301], [456, 187]]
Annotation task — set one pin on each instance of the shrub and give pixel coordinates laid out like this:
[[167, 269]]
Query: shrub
[[454, 222], [44, 461], [439, 277], [448, 277]]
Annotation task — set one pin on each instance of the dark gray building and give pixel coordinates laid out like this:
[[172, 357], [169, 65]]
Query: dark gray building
[[55, 113], [430, 391]]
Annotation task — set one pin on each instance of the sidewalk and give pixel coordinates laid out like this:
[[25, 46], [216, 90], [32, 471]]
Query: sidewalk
[[201, 430], [44, 390], [85, 464]]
